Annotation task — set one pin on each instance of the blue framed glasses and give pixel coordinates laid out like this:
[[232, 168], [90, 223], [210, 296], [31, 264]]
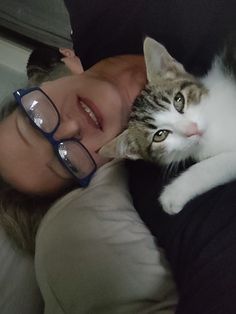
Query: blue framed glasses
[[44, 116]]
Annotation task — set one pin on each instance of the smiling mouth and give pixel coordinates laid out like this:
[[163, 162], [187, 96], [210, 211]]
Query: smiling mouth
[[93, 116]]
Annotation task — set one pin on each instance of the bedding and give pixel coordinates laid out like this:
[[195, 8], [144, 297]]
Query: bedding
[[18, 287], [44, 21]]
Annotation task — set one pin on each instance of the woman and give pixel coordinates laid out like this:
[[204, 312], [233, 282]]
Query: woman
[[108, 88]]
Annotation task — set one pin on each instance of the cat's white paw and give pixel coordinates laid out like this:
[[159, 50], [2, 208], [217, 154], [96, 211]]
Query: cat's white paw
[[172, 200]]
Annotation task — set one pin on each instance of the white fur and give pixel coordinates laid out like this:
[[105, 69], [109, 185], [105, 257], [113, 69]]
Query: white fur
[[215, 149]]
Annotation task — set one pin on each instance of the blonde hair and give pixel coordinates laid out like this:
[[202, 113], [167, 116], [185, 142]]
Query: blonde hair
[[20, 216]]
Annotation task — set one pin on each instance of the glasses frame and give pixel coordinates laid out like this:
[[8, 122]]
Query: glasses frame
[[18, 94]]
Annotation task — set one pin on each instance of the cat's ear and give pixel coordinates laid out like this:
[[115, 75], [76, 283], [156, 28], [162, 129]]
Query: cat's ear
[[119, 147], [159, 63]]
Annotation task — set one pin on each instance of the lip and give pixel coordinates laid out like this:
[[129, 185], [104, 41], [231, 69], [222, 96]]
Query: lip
[[94, 109]]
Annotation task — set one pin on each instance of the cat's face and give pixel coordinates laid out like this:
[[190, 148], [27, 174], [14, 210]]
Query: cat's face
[[166, 123]]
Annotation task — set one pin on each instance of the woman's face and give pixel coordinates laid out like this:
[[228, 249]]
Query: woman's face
[[27, 159]]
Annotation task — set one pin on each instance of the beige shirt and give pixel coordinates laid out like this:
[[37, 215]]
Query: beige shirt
[[19, 292], [94, 254]]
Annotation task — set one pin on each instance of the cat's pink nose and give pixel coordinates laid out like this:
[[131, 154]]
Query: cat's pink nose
[[192, 129]]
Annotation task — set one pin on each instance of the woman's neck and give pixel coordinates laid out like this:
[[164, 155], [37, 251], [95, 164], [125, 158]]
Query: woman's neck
[[127, 72]]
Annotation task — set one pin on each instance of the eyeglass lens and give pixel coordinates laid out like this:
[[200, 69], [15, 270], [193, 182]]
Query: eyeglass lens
[[40, 110], [43, 114]]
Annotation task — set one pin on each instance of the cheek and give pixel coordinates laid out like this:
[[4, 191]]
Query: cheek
[[31, 177], [93, 145], [171, 149], [22, 164], [179, 148], [174, 143], [99, 160]]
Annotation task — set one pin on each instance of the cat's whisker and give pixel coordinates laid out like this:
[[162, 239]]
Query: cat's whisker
[[171, 170], [177, 165], [167, 171]]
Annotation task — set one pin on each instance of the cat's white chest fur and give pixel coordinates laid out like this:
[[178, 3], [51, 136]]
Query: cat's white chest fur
[[216, 150], [219, 111]]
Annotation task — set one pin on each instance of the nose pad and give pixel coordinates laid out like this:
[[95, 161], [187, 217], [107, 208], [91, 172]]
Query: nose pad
[[192, 129], [67, 129]]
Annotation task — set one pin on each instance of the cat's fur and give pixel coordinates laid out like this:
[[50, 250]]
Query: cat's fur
[[204, 129]]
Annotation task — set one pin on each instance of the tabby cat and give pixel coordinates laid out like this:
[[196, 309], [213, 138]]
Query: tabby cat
[[178, 116]]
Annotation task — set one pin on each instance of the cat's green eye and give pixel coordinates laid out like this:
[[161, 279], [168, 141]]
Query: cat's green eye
[[160, 136], [179, 102]]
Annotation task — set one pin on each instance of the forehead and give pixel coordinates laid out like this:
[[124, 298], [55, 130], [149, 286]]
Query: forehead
[[159, 96]]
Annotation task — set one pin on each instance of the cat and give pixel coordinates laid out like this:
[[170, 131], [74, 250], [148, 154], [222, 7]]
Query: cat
[[178, 116]]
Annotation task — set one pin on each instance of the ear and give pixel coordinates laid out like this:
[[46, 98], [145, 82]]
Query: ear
[[119, 147], [158, 61], [71, 60]]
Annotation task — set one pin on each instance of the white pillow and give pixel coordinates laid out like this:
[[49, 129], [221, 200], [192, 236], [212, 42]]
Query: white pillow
[[95, 255], [18, 287]]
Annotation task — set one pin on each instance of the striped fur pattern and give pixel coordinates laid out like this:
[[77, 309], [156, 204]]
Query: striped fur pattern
[[146, 117], [178, 116]]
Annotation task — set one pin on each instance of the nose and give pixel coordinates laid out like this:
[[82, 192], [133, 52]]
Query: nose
[[192, 129], [67, 129]]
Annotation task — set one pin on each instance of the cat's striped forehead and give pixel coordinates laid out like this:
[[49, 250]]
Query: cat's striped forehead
[[153, 107], [159, 97]]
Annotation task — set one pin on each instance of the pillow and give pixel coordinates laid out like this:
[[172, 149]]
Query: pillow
[[44, 21], [18, 287], [95, 255]]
